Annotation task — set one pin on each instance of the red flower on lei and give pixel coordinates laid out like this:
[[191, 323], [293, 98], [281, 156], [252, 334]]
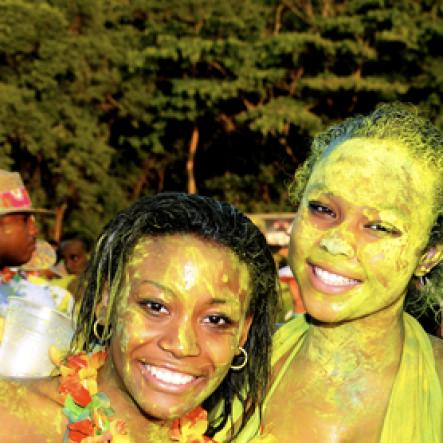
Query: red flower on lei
[[191, 427]]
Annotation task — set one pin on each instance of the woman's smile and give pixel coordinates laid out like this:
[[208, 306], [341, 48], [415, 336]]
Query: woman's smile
[[168, 379], [331, 282]]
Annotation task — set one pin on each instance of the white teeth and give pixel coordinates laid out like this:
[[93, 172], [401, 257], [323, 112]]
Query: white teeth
[[333, 279], [171, 377]]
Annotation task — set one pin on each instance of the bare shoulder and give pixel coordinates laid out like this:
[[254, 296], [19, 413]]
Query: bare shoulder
[[29, 412], [437, 346]]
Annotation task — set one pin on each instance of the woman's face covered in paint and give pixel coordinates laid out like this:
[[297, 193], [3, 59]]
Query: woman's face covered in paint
[[180, 322], [361, 229]]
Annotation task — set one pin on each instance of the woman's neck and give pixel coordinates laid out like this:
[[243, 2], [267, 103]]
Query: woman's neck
[[372, 344], [140, 426]]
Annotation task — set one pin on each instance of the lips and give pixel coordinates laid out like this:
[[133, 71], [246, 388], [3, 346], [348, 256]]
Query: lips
[[330, 282], [171, 377], [330, 278], [168, 379]]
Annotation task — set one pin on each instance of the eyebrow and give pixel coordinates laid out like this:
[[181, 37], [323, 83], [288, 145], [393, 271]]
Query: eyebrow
[[223, 301], [157, 285], [213, 301], [396, 212]]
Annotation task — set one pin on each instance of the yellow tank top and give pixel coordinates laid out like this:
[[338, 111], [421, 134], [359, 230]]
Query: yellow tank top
[[415, 409]]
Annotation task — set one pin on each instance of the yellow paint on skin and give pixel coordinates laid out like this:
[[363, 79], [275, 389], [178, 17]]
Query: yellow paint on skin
[[120, 330], [365, 216], [337, 245], [174, 286], [190, 276], [349, 173], [29, 404]]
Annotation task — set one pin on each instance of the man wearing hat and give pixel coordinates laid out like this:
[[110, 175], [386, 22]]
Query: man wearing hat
[[18, 230], [18, 243]]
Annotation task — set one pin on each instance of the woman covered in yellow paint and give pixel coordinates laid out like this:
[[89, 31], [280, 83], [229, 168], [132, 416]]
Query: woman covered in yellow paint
[[177, 314], [366, 246]]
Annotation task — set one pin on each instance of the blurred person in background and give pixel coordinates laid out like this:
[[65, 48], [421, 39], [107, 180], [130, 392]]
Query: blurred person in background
[[19, 247], [74, 255], [18, 233], [74, 251], [18, 229]]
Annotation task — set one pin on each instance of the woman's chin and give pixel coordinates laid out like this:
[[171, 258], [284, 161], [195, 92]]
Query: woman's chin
[[168, 414], [328, 313]]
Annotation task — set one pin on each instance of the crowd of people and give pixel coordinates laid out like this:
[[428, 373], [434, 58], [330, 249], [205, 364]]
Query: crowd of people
[[178, 326]]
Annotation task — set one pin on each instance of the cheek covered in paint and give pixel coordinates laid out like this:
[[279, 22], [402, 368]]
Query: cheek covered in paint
[[390, 263], [303, 233], [130, 329]]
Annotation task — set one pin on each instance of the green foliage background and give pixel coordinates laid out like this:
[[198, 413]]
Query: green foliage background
[[99, 99]]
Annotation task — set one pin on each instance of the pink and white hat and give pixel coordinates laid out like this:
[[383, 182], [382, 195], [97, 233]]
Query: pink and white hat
[[13, 195]]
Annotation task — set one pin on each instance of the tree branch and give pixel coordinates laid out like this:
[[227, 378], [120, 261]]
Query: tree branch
[[192, 149]]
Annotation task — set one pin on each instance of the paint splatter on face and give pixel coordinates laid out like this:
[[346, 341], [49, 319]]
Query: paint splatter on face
[[362, 226], [180, 322]]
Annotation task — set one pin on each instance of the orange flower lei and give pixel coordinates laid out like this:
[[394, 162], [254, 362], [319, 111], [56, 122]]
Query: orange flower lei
[[191, 428], [90, 416], [7, 274]]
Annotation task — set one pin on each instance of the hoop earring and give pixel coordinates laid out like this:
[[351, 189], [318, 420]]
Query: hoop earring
[[243, 363], [99, 337]]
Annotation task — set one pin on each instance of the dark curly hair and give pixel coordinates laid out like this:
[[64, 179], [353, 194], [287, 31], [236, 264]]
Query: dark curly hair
[[177, 213], [401, 123]]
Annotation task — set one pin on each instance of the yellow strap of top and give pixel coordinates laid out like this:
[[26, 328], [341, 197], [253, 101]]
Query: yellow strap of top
[[415, 408]]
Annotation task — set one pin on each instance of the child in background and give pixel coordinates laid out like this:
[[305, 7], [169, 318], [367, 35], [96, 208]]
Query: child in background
[[73, 254]]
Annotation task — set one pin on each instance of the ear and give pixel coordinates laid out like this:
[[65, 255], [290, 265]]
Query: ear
[[431, 258], [245, 331]]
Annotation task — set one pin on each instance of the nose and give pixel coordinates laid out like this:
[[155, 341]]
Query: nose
[[180, 339], [337, 244]]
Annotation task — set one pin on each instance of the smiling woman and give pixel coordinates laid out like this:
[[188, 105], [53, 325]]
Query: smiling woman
[[177, 314], [366, 244], [181, 322]]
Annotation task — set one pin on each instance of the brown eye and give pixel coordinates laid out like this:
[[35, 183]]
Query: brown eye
[[320, 209], [383, 229], [217, 320], [154, 307]]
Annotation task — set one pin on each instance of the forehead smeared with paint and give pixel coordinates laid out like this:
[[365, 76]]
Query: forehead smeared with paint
[[179, 263], [379, 175]]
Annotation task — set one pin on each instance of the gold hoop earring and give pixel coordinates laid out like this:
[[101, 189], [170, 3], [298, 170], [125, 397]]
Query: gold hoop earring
[[99, 337], [243, 363]]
